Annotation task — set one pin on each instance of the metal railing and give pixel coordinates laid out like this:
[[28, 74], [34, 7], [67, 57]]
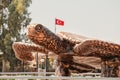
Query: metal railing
[[38, 76]]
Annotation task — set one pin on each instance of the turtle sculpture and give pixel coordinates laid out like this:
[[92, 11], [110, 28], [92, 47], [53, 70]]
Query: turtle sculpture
[[70, 48]]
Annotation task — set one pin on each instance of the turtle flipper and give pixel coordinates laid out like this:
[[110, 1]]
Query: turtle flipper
[[23, 51], [97, 48]]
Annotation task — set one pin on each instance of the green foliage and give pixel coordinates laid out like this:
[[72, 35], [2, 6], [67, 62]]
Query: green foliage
[[13, 17]]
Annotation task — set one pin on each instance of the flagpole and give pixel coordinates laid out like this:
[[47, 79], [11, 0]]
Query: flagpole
[[55, 28], [58, 22], [55, 25]]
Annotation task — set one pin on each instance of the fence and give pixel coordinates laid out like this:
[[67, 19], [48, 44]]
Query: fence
[[37, 76]]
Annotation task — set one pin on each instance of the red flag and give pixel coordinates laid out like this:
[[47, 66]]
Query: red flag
[[59, 22]]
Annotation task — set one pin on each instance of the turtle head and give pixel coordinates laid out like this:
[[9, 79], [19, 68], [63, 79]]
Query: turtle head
[[36, 32]]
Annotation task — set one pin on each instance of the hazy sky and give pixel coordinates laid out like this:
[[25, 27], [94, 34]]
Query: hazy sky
[[92, 18]]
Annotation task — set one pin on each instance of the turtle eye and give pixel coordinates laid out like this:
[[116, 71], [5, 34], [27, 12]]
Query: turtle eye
[[38, 27]]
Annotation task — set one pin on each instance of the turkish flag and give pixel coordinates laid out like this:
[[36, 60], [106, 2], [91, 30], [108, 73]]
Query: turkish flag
[[59, 22]]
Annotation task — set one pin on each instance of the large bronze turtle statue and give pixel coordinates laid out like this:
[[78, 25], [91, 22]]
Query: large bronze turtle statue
[[70, 48]]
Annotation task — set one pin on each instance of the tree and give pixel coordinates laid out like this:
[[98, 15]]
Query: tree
[[14, 17]]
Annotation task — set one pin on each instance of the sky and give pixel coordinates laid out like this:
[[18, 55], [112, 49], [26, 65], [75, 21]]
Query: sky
[[91, 18]]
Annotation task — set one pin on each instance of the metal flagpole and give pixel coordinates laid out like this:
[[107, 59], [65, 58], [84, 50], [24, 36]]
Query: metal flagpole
[[55, 28], [55, 25]]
